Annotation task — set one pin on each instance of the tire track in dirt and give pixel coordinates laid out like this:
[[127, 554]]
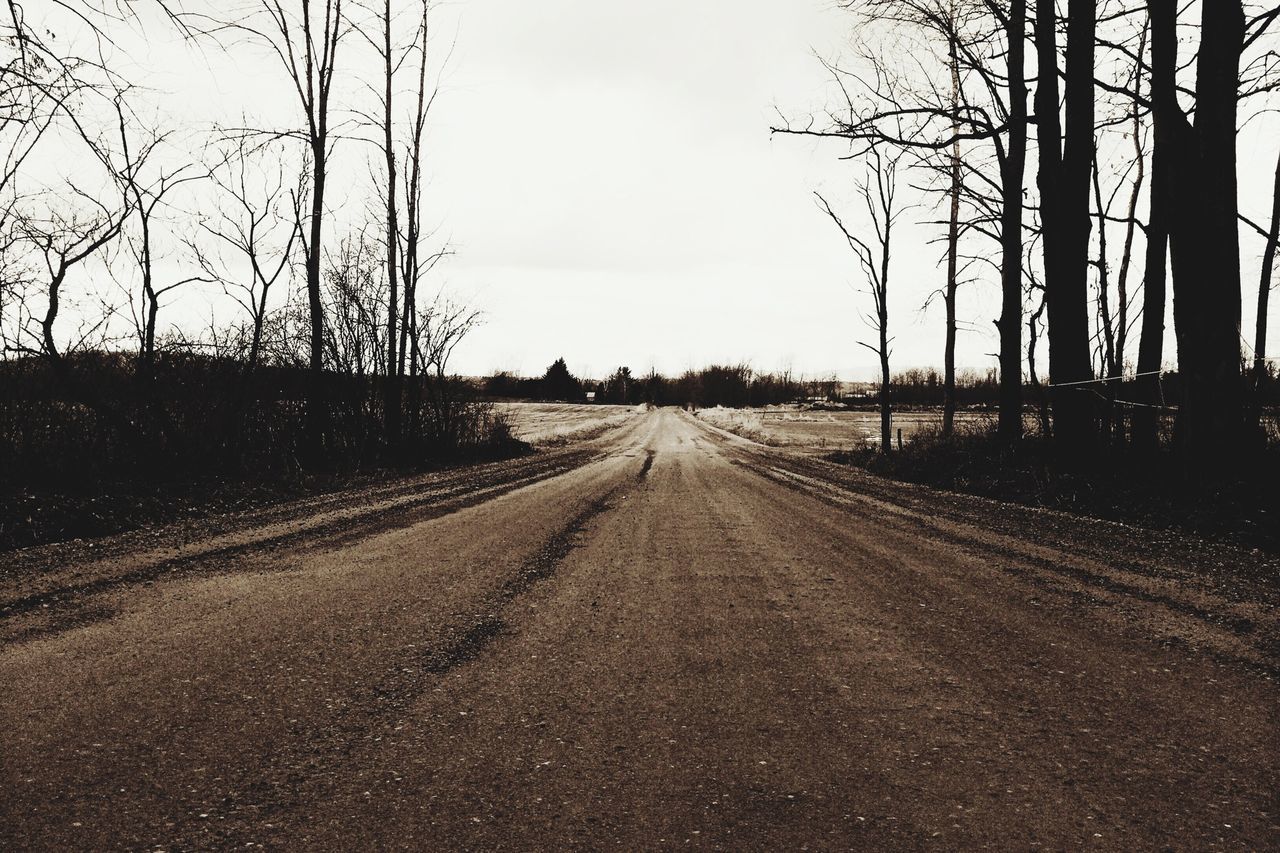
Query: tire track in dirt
[[473, 639], [658, 648], [337, 742], [70, 606], [1056, 571]]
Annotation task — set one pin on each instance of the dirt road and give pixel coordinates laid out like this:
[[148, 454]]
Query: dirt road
[[664, 636]]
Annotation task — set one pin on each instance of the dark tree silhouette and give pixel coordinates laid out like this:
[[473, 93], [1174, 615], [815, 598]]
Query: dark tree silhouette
[[559, 384], [305, 40], [1066, 157], [954, 194], [1260, 373], [1204, 234], [878, 195], [1163, 21]]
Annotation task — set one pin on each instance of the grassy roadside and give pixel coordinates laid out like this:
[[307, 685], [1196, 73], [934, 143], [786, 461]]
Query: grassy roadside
[[1243, 509], [31, 517]]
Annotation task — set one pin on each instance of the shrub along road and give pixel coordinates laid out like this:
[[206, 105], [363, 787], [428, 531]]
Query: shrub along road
[[662, 636]]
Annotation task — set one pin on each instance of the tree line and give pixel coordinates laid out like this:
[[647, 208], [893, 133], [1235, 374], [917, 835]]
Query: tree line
[[737, 386], [1093, 144], [716, 385]]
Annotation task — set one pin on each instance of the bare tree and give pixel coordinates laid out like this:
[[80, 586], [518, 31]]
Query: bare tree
[[391, 402], [305, 40], [416, 259], [878, 194], [355, 291], [259, 227], [147, 197], [63, 242], [1264, 296], [380, 36], [441, 328], [1113, 326], [1204, 226], [1138, 164], [953, 238], [66, 230], [42, 88], [439, 331], [1163, 103], [1066, 158], [989, 38]]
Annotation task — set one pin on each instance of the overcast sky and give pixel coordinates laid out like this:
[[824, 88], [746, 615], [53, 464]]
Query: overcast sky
[[605, 174]]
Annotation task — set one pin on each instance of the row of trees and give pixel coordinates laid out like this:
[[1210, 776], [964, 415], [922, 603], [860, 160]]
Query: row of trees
[[1120, 101], [717, 385], [738, 386], [114, 215]]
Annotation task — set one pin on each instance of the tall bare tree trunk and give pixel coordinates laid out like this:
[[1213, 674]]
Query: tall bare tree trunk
[[879, 194], [1264, 297], [882, 320], [255, 345], [1042, 402], [953, 247], [391, 388], [1013, 166], [317, 404], [1205, 244], [1105, 319], [1167, 130], [53, 305], [1065, 164], [1131, 213], [411, 259], [1104, 279], [308, 48], [1130, 229]]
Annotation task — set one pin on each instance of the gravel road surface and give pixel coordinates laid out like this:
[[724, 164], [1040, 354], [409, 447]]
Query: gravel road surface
[[663, 636]]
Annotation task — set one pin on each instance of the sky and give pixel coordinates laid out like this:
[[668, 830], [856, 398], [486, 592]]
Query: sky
[[608, 179], [605, 175]]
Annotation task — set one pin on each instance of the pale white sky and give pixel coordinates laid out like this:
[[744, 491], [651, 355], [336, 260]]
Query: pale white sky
[[605, 174], [610, 183]]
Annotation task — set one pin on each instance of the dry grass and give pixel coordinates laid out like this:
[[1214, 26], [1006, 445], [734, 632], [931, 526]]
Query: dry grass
[[823, 431], [550, 424]]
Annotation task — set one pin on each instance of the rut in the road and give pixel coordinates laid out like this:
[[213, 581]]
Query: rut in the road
[[381, 707], [473, 639], [72, 606], [1068, 577]]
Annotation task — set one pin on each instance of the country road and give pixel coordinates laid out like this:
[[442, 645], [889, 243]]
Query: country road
[[660, 636]]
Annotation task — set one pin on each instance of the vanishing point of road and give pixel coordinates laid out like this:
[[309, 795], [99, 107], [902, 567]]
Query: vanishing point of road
[[660, 637]]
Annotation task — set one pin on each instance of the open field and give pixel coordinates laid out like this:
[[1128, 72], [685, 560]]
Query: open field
[[817, 429], [661, 635], [801, 427], [551, 423]]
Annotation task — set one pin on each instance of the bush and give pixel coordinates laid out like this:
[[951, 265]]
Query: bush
[[95, 424], [1113, 484]]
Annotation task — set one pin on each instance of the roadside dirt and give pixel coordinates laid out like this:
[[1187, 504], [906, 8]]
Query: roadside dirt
[[664, 636]]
